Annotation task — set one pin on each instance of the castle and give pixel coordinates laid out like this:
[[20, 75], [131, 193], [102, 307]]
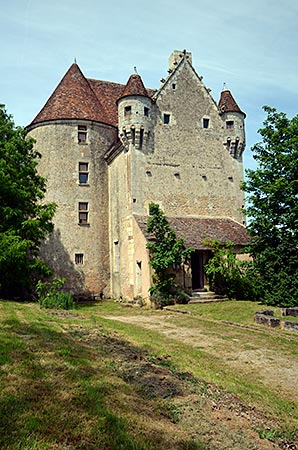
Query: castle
[[109, 150]]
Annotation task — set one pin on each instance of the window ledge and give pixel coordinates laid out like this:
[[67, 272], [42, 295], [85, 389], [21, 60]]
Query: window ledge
[[84, 184], [84, 224]]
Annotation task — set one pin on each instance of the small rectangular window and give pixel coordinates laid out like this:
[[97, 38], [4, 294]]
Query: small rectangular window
[[83, 213], [146, 111], [230, 124], [205, 123], [173, 86], [79, 258], [82, 134], [83, 172], [166, 119], [127, 110]]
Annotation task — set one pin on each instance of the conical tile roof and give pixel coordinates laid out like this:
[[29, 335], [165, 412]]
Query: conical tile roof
[[227, 103], [72, 99], [134, 86]]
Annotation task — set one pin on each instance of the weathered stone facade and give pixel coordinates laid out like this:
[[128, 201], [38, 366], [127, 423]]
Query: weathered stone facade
[[109, 150]]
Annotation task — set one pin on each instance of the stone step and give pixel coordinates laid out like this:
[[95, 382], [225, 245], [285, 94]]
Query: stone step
[[203, 294], [207, 300], [205, 297]]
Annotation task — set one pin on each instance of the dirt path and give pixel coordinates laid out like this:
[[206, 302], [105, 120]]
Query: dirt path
[[272, 369]]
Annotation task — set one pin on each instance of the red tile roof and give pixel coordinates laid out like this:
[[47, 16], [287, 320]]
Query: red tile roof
[[227, 103], [72, 99], [77, 97], [135, 86], [195, 230]]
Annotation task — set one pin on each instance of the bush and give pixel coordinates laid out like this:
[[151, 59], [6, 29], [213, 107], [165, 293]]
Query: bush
[[230, 277], [181, 297], [51, 295]]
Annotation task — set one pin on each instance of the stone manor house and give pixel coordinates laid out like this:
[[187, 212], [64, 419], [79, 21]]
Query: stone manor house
[[109, 150]]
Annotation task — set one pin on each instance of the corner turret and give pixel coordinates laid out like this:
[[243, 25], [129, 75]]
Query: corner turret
[[135, 115], [233, 119]]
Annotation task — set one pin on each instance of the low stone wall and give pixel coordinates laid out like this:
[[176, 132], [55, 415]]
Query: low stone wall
[[289, 312], [266, 317], [290, 326]]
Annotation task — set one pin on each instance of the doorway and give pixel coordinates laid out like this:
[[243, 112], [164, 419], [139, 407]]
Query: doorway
[[197, 270]]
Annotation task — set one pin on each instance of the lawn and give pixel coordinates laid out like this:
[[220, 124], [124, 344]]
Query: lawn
[[109, 377]]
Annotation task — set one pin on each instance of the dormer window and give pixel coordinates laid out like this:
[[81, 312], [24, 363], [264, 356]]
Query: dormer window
[[206, 123], [127, 110], [82, 134], [230, 124]]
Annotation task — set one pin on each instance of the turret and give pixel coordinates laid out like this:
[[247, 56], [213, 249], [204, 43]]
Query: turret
[[135, 114], [233, 119]]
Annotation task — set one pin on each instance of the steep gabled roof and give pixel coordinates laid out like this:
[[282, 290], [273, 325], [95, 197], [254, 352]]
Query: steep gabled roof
[[108, 93], [227, 103], [194, 230], [134, 86], [72, 99]]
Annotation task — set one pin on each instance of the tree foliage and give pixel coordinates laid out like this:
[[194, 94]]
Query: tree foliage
[[229, 276], [165, 251], [273, 209], [25, 221]]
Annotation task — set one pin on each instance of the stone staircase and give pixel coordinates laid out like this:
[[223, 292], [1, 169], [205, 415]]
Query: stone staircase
[[205, 297]]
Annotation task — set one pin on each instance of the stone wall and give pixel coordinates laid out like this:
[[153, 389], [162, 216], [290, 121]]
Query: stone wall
[[190, 172], [266, 317], [61, 155]]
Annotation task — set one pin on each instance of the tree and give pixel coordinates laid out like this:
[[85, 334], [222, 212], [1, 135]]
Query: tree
[[165, 251], [228, 275], [25, 221], [273, 209]]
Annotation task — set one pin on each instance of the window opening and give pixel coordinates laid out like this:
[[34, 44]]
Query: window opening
[[79, 258], [83, 172], [230, 124], [83, 213], [141, 137], [174, 86], [166, 119], [146, 111], [82, 134], [127, 110], [205, 123]]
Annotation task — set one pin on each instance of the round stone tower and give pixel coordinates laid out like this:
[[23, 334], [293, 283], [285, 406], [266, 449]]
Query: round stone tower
[[233, 119], [72, 134], [135, 115]]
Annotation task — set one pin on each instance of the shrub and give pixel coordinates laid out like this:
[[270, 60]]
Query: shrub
[[230, 277], [51, 295]]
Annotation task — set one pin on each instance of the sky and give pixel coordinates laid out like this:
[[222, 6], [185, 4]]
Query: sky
[[251, 45]]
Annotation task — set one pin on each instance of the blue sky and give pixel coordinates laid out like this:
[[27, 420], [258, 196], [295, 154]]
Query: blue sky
[[249, 45]]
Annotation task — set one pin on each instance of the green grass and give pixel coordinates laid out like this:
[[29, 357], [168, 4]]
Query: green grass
[[79, 380]]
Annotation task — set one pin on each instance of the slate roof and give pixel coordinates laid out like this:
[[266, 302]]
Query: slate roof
[[77, 97], [195, 230], [227, 103]]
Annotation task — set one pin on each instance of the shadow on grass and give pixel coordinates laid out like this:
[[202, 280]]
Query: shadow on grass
[[76, 388]]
